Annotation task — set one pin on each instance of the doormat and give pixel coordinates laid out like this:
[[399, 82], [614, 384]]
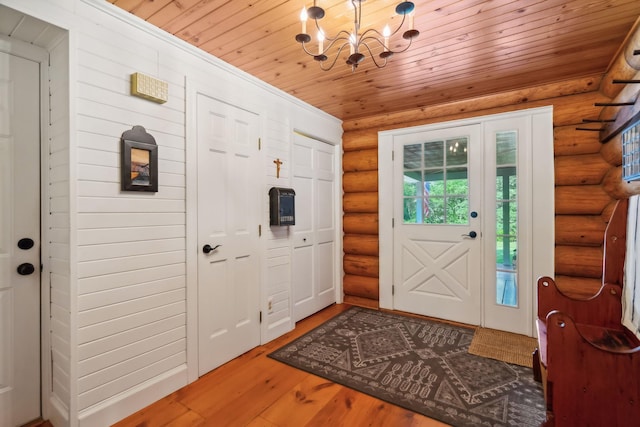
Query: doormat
[[505, 346], [420, 365]]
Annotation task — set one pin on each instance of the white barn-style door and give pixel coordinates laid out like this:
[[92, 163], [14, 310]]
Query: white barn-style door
[[437, 241], [19, 257], [313, 261], [228, 240]]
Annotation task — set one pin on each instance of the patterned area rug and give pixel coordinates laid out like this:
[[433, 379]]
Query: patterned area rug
[[420, 365]]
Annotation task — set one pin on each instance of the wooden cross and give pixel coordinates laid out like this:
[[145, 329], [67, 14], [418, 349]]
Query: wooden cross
[[278, 163]]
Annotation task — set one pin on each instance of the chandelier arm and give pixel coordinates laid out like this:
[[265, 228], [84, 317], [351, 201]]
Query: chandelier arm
[[405, 48], [371, 30], [334, 59], [363, 42], [373, 57], [304, 47], [334, 41], [336, 37], [399, 26], [342, 35]]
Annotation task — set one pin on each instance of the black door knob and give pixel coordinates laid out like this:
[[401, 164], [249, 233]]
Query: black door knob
[[25, 243], [26, 269], [207, 248], [471, 234]]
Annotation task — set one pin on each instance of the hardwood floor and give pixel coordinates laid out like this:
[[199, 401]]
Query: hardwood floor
[[253, 390]]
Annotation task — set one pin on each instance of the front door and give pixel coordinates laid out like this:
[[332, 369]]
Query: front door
[[228, 219], [466, 218], [19, 240], [437, 232]]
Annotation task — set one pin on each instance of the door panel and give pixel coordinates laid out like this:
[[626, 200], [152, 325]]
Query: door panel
[[19, 218], [228, 207], [437, 262], [313, 259]]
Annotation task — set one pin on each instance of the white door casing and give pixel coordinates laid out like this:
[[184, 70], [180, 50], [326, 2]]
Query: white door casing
[[228, 218], [19, 218], [313, 259], [437, 265]]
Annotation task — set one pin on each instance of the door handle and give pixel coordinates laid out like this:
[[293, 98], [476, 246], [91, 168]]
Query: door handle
[[25, 243], [471, 234], [26, 269], [207, 248]]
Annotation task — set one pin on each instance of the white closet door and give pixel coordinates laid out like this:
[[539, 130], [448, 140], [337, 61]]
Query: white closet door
[[313, 272]]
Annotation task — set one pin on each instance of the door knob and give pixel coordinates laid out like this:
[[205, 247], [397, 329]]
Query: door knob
[[26, 269], [471, 234], [25, 243], [207, 248]]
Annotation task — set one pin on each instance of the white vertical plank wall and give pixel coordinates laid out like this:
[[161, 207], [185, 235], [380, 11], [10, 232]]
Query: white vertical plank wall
[[118, 275]]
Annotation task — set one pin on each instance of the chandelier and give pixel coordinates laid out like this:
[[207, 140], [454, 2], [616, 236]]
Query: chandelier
[[358, 43]]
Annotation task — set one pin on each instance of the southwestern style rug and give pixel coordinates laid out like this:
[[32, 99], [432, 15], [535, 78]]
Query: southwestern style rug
[[420, 365]]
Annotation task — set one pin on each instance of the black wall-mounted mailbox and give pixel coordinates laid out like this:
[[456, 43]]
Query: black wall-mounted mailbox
[[282, 206]]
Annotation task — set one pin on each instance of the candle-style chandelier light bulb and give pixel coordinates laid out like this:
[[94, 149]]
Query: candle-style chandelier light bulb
[[359, 42]]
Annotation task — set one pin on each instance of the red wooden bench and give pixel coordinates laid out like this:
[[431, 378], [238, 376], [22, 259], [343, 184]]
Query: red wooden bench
[[588, 362]]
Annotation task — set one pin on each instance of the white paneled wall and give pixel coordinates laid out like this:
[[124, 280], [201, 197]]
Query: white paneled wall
[[131, 246], [120, 262], [277, 141]]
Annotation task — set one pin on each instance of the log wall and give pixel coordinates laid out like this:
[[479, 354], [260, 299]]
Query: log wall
[[587, 174]]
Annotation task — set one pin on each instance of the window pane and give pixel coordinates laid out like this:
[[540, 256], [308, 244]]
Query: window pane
[[506, 219], [507, 288], [457, 210], [457, 151], [506, 183], [457, 182], [410, 210], [433, 154], [412, 182], [506, 147], [434, 214], [413, 156], [434, 182]]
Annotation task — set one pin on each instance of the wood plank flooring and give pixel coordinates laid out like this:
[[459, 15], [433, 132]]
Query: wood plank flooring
[[253, 390]]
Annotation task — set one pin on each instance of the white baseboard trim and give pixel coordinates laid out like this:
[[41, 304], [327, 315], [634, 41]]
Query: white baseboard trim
[[118, 407], [58, 412], [278, 329]]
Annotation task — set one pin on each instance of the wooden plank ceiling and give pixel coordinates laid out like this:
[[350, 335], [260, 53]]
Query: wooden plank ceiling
[[466, 48]]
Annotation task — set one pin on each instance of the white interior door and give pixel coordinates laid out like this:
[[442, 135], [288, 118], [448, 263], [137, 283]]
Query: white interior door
[[228, 218], [437, 232], [19, 219], [313, 265]]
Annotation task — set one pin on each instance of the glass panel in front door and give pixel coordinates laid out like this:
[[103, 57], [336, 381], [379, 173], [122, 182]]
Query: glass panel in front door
[[436, 183], [506, 219]]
